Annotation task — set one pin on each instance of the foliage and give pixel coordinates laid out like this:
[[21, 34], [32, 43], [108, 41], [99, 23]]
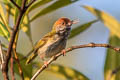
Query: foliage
[[109, 21], [5, 31], [112, 60]]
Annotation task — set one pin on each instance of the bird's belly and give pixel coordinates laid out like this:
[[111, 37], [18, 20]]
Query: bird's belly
[[55, 48], [52, 49]]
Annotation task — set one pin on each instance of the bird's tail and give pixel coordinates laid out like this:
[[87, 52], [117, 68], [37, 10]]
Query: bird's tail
[[30, 58]]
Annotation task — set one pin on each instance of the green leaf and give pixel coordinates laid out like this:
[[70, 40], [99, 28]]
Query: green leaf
[[112, 60], [7, 2], [63, 72], [1, 32], [4, 45], [10, 5], [81, 28], [4, 32], [3, 20], [37, 4], [67, 72], [109, 21], [3, 1], [58, 4], [25, 26]]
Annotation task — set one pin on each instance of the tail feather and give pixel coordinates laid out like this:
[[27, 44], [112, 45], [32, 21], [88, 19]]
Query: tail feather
[[30, 58]]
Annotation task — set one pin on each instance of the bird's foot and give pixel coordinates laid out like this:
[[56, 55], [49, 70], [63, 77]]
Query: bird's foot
[[46, 63], [63, 52]]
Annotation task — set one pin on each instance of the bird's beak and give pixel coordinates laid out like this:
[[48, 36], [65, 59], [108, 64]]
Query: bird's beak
[[75, 21]]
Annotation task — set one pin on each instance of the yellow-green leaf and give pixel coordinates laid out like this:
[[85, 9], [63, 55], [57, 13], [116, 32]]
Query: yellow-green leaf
[[58, 4], [3, 18], [109, 21], [4, 32], [37, 4], [81, 28], [112, 60], [10, 5], [25, 26], [7, 2], [4, 45], [67, 73], [64, 73]]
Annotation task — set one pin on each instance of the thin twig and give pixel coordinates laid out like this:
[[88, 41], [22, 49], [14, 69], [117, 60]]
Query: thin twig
[[12, 38], [12, 69], [22, 9], [18, 62], [70, 49], [16, 4], [1, 56], [16, 57], [31, 2]]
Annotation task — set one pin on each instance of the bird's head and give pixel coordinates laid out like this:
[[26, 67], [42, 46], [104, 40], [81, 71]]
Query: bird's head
[[63, 24]]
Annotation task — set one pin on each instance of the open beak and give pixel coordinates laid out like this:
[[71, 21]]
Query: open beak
[[73, 22]]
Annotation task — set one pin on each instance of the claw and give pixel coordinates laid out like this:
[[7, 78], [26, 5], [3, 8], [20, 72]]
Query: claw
[[46, 63], [63, 52]]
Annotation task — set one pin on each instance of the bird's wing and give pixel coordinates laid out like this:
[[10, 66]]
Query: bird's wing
[[44, 40], [40, 43]]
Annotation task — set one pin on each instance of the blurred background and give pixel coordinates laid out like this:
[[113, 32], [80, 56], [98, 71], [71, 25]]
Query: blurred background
[[88, 61]]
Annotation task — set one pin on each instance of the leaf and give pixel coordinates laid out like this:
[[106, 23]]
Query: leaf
[[4, 21], [4, 45], [37, 4], [67, 72], [112, 60], [58, 4], [25, 26], [63, 72], [109, 21], [10, 5], [81, 28], [4, 32], [7, 2]]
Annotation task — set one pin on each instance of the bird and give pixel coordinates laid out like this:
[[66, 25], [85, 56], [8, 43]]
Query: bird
[[54, 41]]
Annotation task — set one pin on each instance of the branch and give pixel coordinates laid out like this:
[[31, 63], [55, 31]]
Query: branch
[[92, 45], [2, 61], [16, 4], [22, 9], [12, 69], [1, 57], [32, 1], [12, 38], [17, 60]]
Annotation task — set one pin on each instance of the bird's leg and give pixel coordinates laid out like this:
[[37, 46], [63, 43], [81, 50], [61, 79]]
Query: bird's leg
[[63, 52], [45, 62]]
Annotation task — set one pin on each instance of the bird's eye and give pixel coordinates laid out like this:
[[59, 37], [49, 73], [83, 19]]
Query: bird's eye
[[63, 23]]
